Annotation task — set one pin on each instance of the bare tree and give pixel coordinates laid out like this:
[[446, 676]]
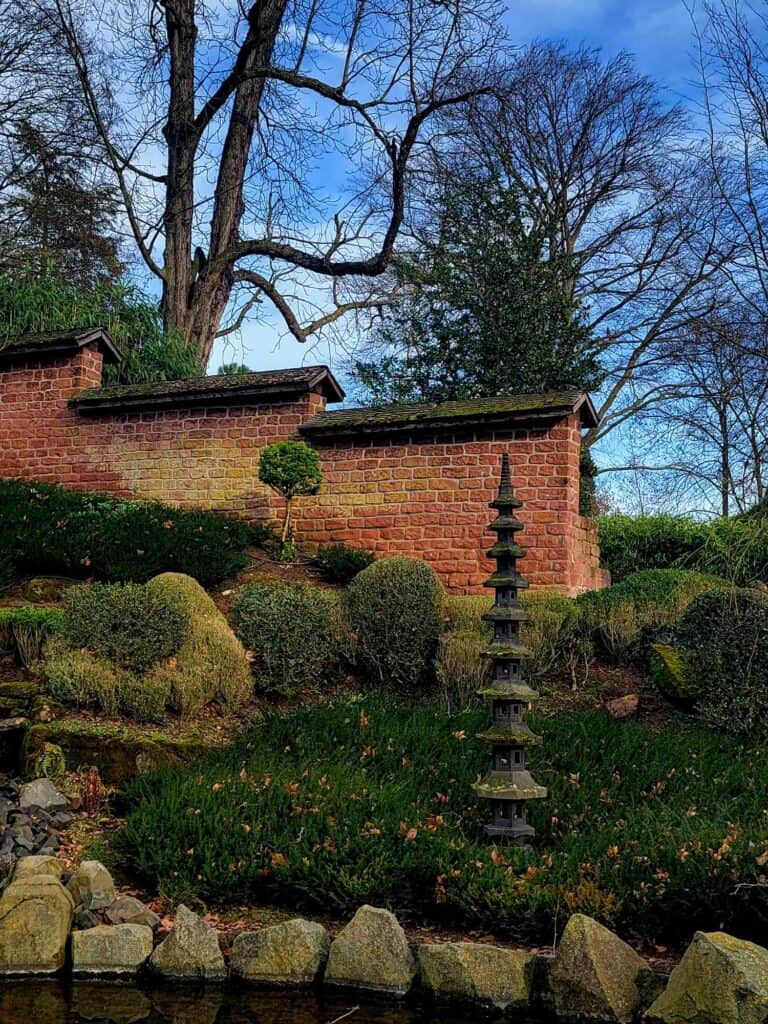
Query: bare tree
[[227, 128]]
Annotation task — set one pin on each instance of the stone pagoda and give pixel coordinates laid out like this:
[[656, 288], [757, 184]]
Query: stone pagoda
[[508, 784]]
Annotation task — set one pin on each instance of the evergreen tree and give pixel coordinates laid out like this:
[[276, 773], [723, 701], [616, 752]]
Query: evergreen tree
[[486, 311]]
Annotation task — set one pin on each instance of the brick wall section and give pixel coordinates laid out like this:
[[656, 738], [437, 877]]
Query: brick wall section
[[427, 496]]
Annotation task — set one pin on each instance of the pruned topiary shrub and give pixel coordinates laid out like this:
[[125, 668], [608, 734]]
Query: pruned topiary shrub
[[340, 563], [395, 611], [724, 637], [291, 632]]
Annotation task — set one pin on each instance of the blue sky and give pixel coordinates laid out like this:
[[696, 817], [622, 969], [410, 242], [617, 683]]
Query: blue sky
[[657, 33]]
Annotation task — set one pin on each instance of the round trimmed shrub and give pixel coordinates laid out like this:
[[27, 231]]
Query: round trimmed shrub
[[291, 631], [724, 634], [395, 610]]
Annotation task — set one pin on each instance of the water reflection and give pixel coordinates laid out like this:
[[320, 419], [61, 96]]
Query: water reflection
[[52, 1002]]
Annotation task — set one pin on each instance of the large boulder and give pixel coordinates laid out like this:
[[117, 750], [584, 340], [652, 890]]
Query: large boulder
[[720, 980], [42, 793], [91, 886], [594, 974], [31, 867], [129, 910], [191, 950], [293, 953], [35, 919], [372, 952], [111, 949], [469, 970]]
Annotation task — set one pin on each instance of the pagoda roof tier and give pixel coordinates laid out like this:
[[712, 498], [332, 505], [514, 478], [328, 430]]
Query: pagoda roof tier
[[516, 735], [506, 613], [501, 548], [505, 501], [507, 578], [508, 648], [514, 830], [510, 786], [509, 522], [510, 691]]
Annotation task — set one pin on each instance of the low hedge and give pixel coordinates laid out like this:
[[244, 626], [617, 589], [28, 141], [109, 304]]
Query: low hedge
[[47, 528]]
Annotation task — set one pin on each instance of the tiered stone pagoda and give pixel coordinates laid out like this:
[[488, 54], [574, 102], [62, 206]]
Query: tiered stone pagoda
[[508, 784]]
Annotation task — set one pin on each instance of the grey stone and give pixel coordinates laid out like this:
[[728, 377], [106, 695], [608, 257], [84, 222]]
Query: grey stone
[[372, 952], [191, 950], [29, 867], [473, 971], [111, 949], [293, 953], [42, 793], [595, 975], [129, 910], [91, 886], [35, 919]]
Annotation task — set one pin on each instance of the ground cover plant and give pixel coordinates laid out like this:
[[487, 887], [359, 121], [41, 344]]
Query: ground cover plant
[[47, 528], [648, 830]]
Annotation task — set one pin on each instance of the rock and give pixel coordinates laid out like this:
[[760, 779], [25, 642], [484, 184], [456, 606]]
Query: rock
[[91, 886], [292, 953], [29, 867], [594, 974], [191, 950], [42, 793], [623, 707], [469, 970], [372, 952], [111, 949], [129, 910], [85, 919], [720, 980], [35, 919]]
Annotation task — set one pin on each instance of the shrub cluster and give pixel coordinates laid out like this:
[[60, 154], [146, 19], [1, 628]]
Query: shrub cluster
[[47, 528], [394, 608], [26, 630], [373, 802], [340, 563], [291, 631]]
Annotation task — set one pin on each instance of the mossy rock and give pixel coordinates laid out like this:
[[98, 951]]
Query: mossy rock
[[671, 673], [17, 698], [118, 753]]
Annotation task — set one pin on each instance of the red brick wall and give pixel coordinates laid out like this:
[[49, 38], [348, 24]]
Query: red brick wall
[[427, 498]]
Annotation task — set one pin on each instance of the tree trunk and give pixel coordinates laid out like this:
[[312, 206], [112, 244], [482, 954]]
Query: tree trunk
[[286, 523]]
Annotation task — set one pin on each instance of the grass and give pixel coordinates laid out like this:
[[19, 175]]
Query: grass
[[649, 831]]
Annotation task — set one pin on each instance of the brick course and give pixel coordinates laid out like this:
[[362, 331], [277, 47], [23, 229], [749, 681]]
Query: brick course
[[426, 495]]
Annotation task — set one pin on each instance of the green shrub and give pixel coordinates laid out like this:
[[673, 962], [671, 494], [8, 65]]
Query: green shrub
[[129, 624], [26, 630], [47, 528], [736, 550], [291, 469], [82, 679], [395, 611], [626, 616], [650, 828], [460, 670], [291, 631], [340, 563], [724, 634]]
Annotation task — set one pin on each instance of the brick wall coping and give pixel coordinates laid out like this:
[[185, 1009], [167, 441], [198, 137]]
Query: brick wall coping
[[489, 412], [50, 344], [228, 389]]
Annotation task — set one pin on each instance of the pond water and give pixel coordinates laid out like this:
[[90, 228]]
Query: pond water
[[51, 1002]]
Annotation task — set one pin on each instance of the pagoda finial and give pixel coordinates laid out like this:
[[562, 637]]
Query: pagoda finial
[[505, 482]]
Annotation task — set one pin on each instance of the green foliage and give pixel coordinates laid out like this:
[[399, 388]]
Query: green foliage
[[290, 468], [671, 672], [340, 563], [233, 369], [291, 631], [82, 679], [627, 615], [724, 634], [34, 302], [649, 829], [50, 763], [588, 471], [47, 528], [129, 624], [26, 630], [395, 611], [460, 670], [485, 310]]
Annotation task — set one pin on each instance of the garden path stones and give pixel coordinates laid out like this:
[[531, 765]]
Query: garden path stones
[[471, 971], [372, 952], [594, 974], [31, 867], [191, 950], [129, 910], [91, 886], [42, 793], [720, 980], [35, 920], [292, 953], [111, 949]]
